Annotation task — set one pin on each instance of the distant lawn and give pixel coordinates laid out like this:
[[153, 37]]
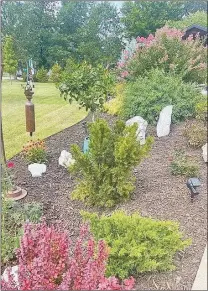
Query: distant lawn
[[52, 114]]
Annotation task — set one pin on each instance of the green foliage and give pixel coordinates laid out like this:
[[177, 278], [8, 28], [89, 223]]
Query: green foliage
[[100, 39], [56, 73], [13, 217], [146, 97], [35, 152], [83, 30], [169, 52], [181, 165], [137, 244], [87, 85], [114, 105], [196, 134], [199, 18], [41, 75], [9, 56], [106, 169], [201, 109], [141, 19]]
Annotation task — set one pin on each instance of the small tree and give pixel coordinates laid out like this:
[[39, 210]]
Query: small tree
[[41, 75], [9, 58], [107, 167], [55, 73], [87, 85]]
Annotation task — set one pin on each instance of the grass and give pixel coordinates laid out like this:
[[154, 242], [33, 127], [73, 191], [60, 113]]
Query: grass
[[52, 114]]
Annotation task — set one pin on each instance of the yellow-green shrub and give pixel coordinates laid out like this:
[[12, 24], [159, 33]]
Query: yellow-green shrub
[[114, 105], [137, 244], [196, 134]]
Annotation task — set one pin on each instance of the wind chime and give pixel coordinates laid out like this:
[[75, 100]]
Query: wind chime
[[29, 106], [16, 192]]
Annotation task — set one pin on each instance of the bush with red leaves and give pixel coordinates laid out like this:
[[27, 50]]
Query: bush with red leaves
[[45, 262]]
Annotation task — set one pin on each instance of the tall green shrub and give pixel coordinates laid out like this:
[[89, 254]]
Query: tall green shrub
[[106, 169], [137, 244], [41, 75], [55, 76], [146, 96]]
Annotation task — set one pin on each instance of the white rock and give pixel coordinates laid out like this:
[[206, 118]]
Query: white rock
[[204, 153], [142, 125], [37, 169], [66, 159], [14, 272], [204, 92], [164, 122]]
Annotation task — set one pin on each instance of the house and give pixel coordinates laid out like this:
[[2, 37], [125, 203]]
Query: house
[[194, 29]]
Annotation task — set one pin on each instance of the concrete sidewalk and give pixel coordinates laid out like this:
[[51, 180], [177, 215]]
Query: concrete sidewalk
[[200, 282]]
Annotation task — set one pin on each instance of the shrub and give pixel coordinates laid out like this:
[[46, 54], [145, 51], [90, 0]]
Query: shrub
[[201, 110], [114, 105], [56, 73], [45, 263], [137, 244], [148, 95], [196, 134], [199, 17], [87, 85], [180, 165], [35, 152], [41, 75], [166, 50], [107, 167]]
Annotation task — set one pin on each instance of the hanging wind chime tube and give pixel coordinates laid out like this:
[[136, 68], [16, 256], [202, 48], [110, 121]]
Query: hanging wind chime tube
[[29, 106]]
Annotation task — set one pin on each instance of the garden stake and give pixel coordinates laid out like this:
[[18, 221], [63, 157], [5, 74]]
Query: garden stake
[[86, 140]]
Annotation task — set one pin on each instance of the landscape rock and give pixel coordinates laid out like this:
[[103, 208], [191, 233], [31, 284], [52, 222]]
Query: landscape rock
[[204, 152], [142, 126], [14, 272], [66, 159], [37, 169], [164, 122]]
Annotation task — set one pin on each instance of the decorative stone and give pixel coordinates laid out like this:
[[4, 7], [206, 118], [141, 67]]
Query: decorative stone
[[66, 159], [204, 152], [204, 92], [14, 272], [164, 122], [141, 130], [37, 169]]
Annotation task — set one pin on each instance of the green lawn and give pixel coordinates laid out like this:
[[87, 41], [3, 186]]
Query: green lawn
[[52, 114]]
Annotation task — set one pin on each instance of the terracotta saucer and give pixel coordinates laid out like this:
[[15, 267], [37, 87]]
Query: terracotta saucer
[[17, 194]]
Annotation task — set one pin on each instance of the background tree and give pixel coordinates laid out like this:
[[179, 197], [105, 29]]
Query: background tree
[[31, 24], [9, 57], [101, 35], [194, 6], [140, 18]]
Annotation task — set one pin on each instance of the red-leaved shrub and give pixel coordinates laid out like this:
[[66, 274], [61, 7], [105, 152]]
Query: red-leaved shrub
[[45, 262]]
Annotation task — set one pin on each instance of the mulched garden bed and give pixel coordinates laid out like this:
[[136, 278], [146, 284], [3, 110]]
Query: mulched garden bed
[[158, 194]]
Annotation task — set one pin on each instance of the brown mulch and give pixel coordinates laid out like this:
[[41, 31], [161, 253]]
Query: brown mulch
[[158, 194]]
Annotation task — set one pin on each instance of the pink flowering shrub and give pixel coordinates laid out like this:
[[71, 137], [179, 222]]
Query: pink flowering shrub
[[166, 50], [45, 262]]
